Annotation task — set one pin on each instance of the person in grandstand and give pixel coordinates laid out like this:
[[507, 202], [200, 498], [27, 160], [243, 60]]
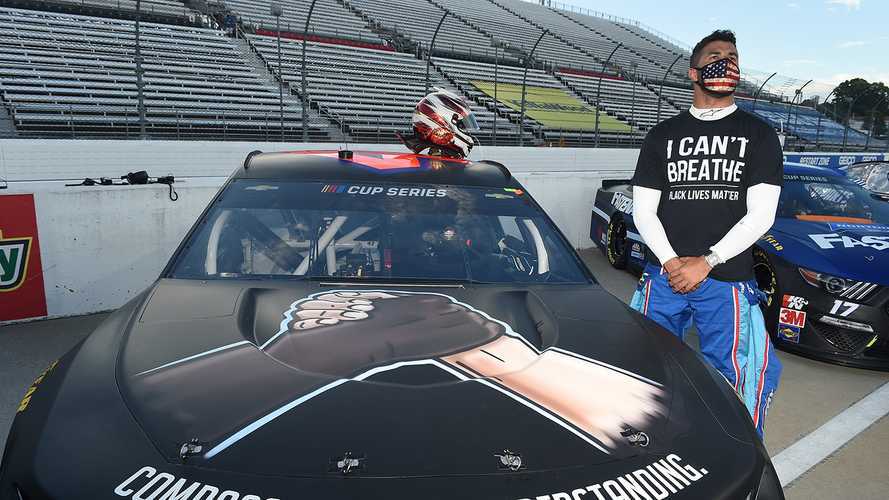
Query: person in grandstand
[[705, 189], [442, 124]]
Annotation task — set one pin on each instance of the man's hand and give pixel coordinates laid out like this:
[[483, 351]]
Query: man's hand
[[688, 277], [673, 265]]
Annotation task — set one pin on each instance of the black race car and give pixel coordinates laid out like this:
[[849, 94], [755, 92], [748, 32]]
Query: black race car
[[824, 264], [380, 326]]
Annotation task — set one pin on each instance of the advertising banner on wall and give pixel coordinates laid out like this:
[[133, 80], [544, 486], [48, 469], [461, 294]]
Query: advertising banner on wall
[[833, 160], [22, 294]]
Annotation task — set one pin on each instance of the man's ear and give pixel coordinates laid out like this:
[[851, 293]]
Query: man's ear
[[693, 75]]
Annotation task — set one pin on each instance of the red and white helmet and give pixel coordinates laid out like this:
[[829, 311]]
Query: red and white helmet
[[445, 121]]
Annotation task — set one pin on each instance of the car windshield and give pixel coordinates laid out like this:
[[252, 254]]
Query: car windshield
[[829, 199], [300, 230]]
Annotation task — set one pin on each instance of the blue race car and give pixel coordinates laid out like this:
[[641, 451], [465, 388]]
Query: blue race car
[[824, 265]]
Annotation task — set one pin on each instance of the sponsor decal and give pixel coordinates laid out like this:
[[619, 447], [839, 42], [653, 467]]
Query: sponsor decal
[[832, 240], [772, 241], [794, 302], [499, 196], [21, 277], [515, 191], [831, 160], [846, 226], [791, 317], [148, 482], [789, 333], [662, 479], [806, 178], [636, 251], [622, 203], [363, 190], [26, 400]]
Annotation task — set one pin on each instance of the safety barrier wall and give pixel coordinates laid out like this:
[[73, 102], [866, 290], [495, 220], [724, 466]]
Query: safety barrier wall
[[101, 245]]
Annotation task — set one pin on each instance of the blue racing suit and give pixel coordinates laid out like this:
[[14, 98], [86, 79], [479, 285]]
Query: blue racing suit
[[732, 332]]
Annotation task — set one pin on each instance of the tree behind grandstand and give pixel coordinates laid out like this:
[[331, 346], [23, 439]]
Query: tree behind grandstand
[[866, 96]]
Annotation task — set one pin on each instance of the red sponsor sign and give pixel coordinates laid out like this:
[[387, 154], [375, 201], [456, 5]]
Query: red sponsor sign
[[21, 274]]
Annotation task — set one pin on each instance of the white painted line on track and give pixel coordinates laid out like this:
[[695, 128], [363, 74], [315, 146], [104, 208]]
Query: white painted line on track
[[809, 451]]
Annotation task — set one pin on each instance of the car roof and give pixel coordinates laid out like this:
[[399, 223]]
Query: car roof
[[374, 166], [803, 169]]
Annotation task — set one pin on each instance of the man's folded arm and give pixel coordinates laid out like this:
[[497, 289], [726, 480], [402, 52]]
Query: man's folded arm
[[645, 204], [762, 203]]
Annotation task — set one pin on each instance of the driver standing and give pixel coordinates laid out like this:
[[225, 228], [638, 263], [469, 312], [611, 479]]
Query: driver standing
[[706, 188]]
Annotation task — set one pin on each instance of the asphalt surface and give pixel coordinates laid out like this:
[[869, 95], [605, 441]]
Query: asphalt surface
[[811, 393]]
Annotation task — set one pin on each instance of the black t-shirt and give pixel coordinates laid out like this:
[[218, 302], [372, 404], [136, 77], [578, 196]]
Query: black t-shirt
[[703, 170]]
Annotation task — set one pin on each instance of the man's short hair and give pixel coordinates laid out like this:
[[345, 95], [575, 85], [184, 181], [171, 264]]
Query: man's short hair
[[716, 36]]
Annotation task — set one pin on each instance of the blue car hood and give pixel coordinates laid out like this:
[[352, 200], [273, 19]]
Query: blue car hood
[[857, 251]]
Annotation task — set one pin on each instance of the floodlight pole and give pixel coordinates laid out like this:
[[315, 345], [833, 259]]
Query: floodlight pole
[[756, 95], [798, 93], [873, 114], [305, 88], [431, 47], [278, 11], [849, 114], [661, 91], [524, 87], [818, 126], [599, 89], [496, 67], [140, 85]]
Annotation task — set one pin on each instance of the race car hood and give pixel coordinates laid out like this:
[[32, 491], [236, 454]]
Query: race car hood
[[849, 250], [412, 382]]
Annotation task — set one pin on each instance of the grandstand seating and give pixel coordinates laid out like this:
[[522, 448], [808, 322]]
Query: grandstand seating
[[67, 69], [370, 93], [597, 39], [632, 102], [418, 19], [464, 73], [329, 18], [66, 75], [803, 122], [517, 33], [171, 9]]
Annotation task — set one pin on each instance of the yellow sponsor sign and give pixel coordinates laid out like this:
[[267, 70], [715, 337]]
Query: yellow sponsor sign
[[552, 107]]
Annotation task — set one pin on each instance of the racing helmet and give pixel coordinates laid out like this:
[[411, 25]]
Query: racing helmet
[[442, 121]]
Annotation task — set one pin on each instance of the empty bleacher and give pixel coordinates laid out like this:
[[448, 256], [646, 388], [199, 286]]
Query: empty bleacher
[[417, 21], [329, 18], [630, 101], [464, 73], [370, 93], [74, 76]]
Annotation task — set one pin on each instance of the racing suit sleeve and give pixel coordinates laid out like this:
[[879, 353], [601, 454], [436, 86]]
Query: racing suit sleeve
[[645, 203], [762, 203]]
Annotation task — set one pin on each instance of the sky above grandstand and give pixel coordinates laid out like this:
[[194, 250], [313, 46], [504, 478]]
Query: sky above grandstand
[[828, 40]]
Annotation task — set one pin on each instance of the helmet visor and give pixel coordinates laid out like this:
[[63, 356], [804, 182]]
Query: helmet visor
[[467, 123]]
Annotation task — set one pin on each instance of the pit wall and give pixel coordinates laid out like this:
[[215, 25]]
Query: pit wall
[[101, 245]]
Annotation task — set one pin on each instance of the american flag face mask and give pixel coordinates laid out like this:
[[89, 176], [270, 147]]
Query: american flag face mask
[[720, 77]]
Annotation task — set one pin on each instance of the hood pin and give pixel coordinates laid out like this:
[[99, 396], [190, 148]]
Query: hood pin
[[509, 460], [347, 464], [190, 449], [635, 437]]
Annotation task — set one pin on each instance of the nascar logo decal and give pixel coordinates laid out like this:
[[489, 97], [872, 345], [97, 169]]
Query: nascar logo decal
[[14, 254]]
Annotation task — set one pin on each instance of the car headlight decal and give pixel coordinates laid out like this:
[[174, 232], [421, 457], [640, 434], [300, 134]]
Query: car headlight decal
[[832, 284]]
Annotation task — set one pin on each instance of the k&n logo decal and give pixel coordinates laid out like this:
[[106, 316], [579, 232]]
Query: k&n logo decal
[[14, 253]]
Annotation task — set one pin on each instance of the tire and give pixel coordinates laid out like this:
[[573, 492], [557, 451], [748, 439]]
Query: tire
[[767, 281], [616, 244]]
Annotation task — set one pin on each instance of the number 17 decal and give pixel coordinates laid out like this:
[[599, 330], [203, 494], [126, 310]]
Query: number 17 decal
[[850, 307]]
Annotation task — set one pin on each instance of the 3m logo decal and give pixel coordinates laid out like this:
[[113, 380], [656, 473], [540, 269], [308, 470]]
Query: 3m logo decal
[[14, 254], [792, 318]]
